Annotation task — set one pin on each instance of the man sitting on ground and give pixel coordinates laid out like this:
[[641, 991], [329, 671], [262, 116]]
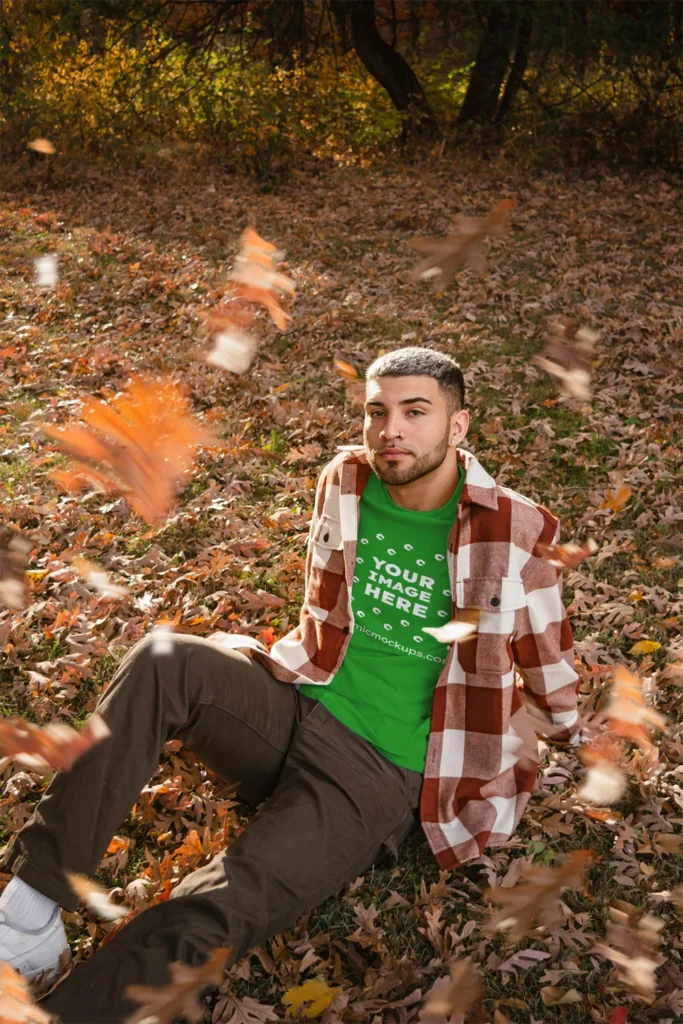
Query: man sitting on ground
[[384, 721]]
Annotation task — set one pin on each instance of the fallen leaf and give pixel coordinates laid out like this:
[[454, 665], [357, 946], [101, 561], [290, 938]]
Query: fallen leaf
[[616, 501], [559, 996], [180, 998], [645, 647], [56, 746], [523, 959], [309, 1000]]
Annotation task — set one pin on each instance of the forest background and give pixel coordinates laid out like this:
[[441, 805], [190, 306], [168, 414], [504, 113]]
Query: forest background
[[340, 129]]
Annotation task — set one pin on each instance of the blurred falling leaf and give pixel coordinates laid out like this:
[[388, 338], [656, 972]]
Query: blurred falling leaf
[[629, 716], [452, 995], [180, 998], [95, 898], [565, 556], [47, 275], [604, 784], [146, 450], [538, 899], [98, 579], [630, 943], [464, 246], [42, 146], [354, 384], [452, 632], [233, 350], [16, 1004], [567, 357], [309, 1000], [14, 552], [55, 746], [162, 639], [257, 279]]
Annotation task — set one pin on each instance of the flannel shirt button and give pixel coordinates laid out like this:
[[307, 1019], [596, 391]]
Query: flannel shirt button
[[326, 537], [495, 601], [345, 629]]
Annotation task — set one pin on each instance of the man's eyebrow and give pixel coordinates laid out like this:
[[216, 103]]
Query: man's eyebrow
[[404, 401]]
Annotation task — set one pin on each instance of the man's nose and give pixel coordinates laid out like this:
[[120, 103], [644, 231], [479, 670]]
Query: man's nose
[[390, 429]]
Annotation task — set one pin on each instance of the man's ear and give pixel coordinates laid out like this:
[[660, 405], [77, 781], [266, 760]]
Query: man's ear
[[460, 422]]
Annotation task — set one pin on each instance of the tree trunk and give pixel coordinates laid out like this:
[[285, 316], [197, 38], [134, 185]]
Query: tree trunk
[[491, 65], [387, 66], [519, 64]]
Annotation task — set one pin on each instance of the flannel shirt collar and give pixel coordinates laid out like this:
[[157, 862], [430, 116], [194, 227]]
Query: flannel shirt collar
[[479, 489]]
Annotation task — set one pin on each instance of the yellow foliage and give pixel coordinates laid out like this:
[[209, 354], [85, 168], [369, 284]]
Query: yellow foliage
[[645, 647], [312, 998]]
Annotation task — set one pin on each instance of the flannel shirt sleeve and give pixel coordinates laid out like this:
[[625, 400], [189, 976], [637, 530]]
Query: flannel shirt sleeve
[[543, 650]]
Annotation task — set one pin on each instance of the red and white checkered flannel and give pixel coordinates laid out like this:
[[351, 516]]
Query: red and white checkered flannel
[[475, 789]]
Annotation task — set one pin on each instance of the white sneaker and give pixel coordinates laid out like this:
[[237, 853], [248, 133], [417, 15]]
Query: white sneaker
[[31, 953]]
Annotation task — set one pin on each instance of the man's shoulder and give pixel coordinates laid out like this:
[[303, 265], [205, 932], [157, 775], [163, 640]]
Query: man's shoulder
[[528, 518], [347, 455]]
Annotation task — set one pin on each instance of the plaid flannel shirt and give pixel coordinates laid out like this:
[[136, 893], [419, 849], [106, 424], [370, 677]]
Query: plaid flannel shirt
[[475, 784]]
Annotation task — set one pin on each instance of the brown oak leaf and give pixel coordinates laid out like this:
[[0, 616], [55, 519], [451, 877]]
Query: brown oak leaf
[[567, 357], [464, 246], [538, 899]]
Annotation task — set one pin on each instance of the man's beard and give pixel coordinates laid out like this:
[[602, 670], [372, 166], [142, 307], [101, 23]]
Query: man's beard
[[396, 474]]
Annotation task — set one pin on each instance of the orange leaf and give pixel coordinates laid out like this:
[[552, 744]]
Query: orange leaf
[[616, 502], [41, 146], [16, 1005], [565, 556], [145, 450]]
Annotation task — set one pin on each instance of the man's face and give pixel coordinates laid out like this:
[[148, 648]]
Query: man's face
[[407, 428]]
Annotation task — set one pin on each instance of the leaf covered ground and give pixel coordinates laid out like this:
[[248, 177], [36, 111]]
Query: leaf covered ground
[[141, 259]]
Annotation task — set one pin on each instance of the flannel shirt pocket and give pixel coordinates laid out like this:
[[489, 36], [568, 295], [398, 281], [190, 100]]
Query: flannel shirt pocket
[[495, 600], [327, 562], [328, 534]]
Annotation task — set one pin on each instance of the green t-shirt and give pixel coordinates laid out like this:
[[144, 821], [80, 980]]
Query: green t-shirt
[[384, 687]]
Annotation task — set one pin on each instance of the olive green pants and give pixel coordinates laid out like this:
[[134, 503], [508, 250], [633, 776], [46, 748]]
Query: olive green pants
[[332, 806]]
